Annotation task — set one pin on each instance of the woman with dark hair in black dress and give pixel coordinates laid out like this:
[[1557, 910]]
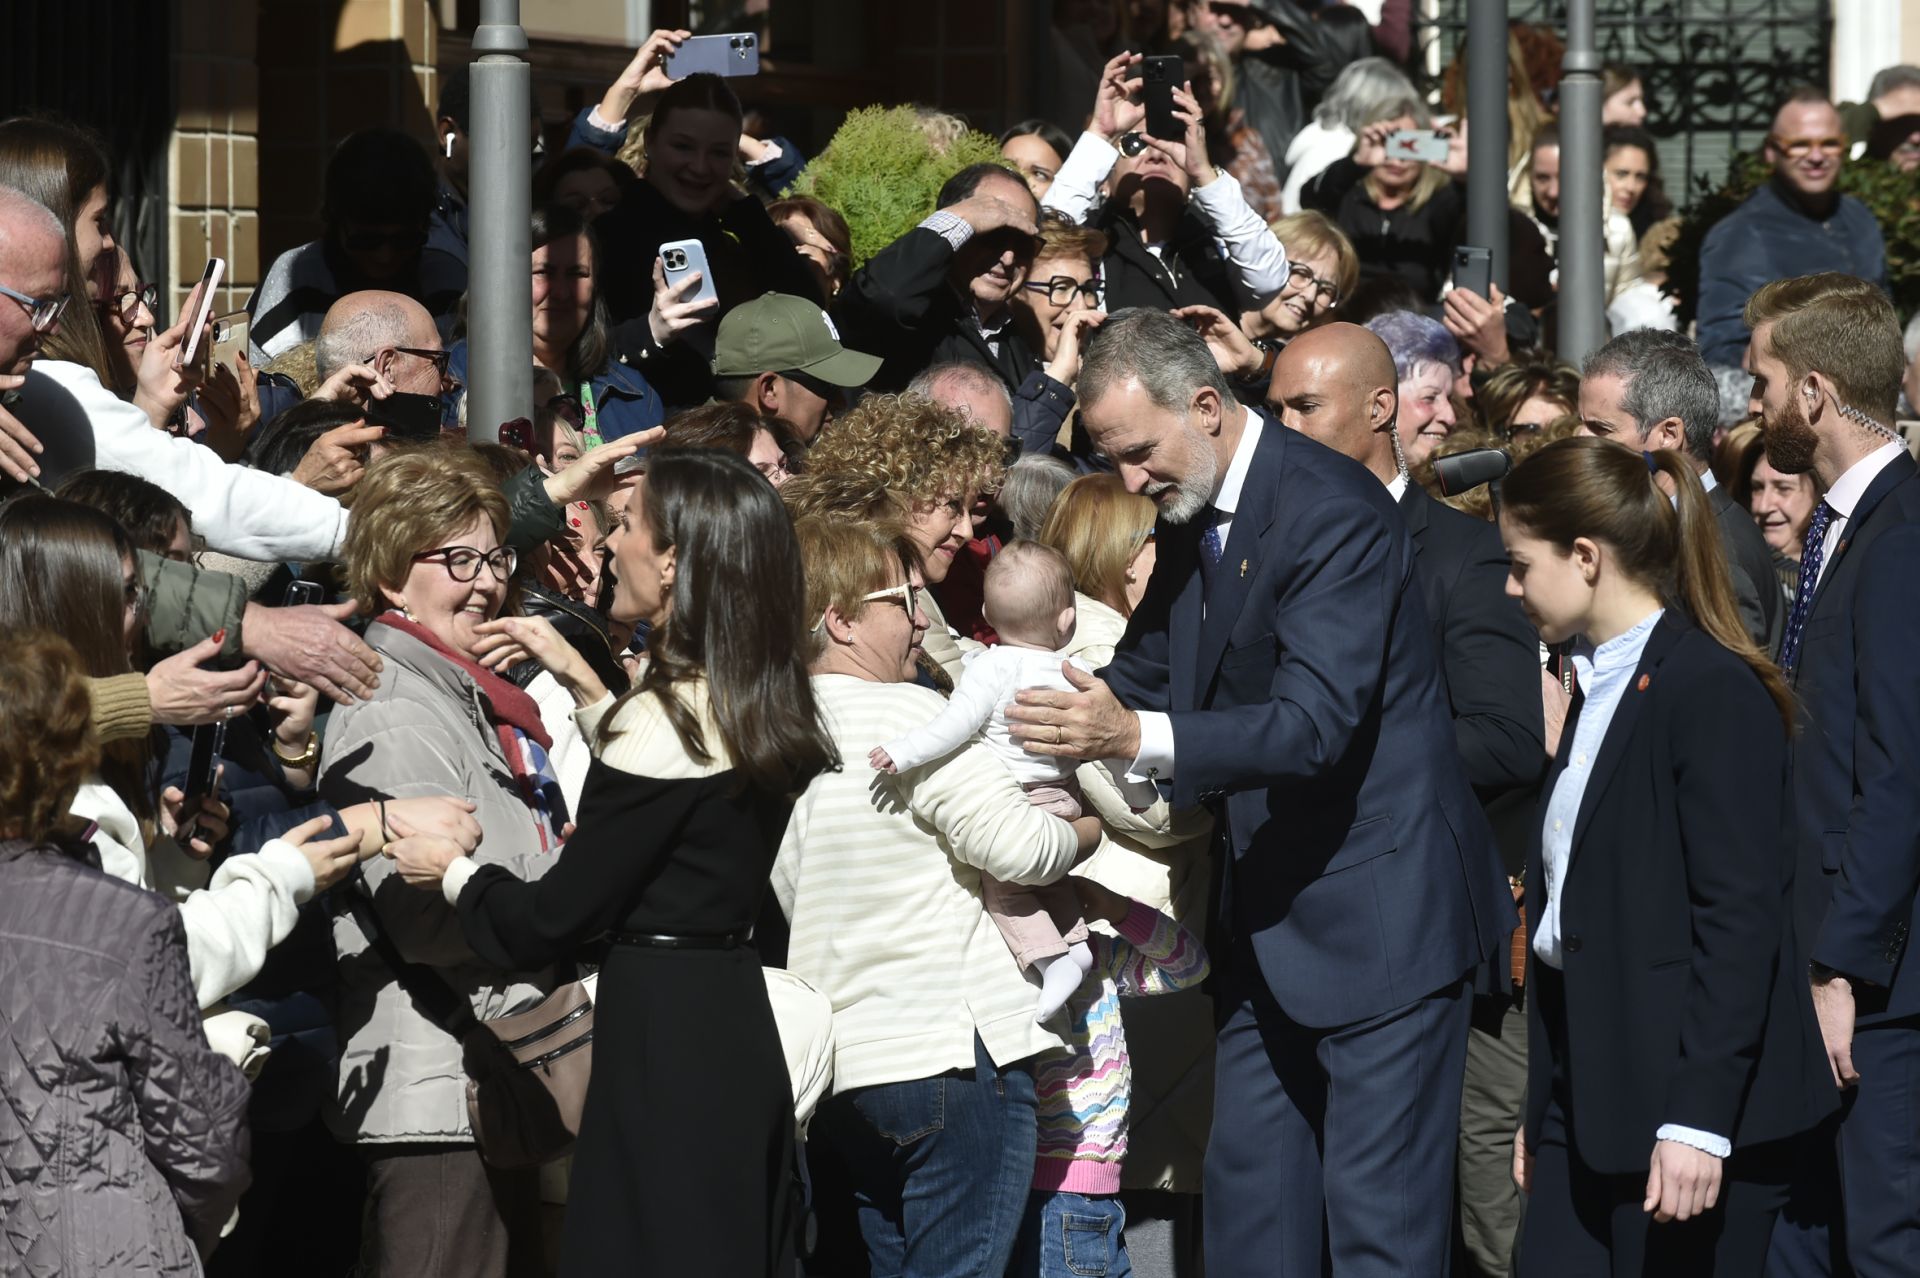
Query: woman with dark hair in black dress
[[685, 1158]]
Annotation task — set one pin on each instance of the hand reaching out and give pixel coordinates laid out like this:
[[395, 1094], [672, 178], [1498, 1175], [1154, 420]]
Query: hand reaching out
[[336, 460], [422, 859], [646, 72], [1114, 110], [184, 692], [1236, 355], [592, 477], [506, 641], [881, 761], [330, 859]]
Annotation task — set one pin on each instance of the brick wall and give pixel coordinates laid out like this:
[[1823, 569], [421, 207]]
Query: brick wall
[[213, 155]]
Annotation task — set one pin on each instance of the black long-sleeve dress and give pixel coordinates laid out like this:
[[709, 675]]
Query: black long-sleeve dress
[[685, 1158]]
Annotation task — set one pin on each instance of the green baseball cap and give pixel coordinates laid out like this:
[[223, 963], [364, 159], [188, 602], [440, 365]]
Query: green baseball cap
[[778, 333]]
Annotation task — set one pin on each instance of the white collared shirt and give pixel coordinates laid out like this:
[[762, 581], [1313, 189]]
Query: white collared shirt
[[1846, 494], [1155, 760]]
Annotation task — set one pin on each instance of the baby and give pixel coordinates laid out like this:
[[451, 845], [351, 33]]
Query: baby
[[1028, 600]]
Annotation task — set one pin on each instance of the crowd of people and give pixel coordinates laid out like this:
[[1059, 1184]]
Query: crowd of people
[[1018, 755]]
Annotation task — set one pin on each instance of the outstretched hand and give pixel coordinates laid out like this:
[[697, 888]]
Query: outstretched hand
[[1087, 723]]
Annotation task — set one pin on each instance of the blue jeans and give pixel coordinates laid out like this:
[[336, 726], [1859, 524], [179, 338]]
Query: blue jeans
[[1071, 1236], [940, 1167]]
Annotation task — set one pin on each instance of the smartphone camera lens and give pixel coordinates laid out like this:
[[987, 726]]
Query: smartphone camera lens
[[676, 260]]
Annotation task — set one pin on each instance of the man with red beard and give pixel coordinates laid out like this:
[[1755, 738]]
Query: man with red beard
[[1827, 362]]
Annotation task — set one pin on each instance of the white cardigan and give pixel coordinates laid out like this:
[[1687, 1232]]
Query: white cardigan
[[232, 920], [242, 512], [880, 877]]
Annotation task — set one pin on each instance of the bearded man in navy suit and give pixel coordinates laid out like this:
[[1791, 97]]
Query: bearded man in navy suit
[[1281, 670]]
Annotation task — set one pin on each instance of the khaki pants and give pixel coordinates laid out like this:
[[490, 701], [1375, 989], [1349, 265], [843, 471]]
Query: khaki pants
[[1491, 1102]]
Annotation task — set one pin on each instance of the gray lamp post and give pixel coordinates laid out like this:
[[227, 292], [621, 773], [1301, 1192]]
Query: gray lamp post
[[499, 286], [1487, 131], [1582, 301]]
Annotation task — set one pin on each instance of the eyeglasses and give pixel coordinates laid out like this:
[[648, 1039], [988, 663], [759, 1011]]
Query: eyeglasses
[[775, 470], [1132, 144], [439, 359], [1300, 278], [904, 594], [127, 304], [42, 312], [463, 562], [1800, 148], [1060, 290]]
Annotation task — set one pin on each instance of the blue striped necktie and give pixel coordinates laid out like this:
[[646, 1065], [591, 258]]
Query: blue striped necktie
[[1811, 555]]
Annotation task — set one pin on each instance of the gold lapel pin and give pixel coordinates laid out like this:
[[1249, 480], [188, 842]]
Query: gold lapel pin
[[1644, 681], [1243, 567]]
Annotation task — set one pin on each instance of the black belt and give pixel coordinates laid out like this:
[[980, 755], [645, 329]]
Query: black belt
[[652, 941]]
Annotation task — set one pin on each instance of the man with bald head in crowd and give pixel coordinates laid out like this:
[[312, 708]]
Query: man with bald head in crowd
[[391, 334], [1337, 385]]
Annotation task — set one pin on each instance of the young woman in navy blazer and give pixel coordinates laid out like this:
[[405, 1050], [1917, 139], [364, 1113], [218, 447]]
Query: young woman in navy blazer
[[1672, 1050]]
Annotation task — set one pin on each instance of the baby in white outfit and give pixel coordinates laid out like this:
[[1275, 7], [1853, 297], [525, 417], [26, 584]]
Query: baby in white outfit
[[1028, 600]]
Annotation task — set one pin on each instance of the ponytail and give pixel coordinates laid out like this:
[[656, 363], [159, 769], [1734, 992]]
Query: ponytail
[[1591, 488], [1701, 582]]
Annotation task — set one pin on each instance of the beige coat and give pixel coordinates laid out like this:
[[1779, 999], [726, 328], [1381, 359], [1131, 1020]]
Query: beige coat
[[424, 732]]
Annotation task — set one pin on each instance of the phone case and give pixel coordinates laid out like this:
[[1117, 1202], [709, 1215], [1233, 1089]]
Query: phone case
[[229, 339], [202, 311], [1473, 270], [681, 258], [1416, 144], [1160, 76], [737, 53]]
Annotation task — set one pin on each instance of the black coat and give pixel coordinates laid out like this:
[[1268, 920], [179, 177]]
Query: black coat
[[900, 307], [1192, 271], [1686, 997], [1756, 587], [748, 253], [1855, 807], [1489, 664]]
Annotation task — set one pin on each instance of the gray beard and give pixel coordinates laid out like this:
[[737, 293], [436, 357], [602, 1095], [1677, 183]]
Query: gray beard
[[1190, 497]]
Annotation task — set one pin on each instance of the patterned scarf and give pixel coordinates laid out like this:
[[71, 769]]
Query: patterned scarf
[[515, 719]]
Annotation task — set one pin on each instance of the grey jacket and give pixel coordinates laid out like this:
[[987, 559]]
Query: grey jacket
[[424, 732], [123, 1137]]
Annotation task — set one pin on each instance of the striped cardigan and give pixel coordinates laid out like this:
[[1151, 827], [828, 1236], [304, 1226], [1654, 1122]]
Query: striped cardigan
[[1083, 1095], [880, 878]]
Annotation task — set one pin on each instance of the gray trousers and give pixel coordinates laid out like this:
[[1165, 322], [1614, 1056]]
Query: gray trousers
[[1491, 1103], [439, 1211]]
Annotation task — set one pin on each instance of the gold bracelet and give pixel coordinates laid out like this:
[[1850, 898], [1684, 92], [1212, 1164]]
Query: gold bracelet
[[305, 759]]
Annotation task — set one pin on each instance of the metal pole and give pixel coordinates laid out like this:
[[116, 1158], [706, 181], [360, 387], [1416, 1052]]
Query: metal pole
[[500, 286], [1582, 302], [1487, 131]]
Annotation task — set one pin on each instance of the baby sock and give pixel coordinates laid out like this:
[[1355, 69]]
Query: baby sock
[[1060, 976]]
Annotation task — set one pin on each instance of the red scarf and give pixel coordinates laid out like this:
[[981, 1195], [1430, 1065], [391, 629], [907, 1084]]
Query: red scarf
[[509, 706]]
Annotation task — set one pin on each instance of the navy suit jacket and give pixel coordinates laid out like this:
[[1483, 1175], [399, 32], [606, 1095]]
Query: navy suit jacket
[[1855, 818], [1307, 699], [1489, 664], [1686, 997]]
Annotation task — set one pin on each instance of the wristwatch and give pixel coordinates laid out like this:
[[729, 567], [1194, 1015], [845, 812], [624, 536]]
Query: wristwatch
[[305, 759], [1270, 351]]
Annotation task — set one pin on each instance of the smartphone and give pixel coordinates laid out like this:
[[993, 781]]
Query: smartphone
[[200, 308], [683, 257], [736, 53], [208, 740], [407, 415], [229, 342], [300, 593], [1160, 76], [1473, 270], [1428, 146], [517, 433]]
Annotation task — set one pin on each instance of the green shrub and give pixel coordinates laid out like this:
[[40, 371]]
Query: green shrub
[[1891, 196], [883, 174]]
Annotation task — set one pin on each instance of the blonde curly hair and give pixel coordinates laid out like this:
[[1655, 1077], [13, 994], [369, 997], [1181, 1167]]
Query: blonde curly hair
[[906, 449]]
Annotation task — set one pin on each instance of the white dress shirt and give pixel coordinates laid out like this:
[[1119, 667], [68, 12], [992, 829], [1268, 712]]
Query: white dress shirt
[[1604, 674], [1846, 494], [1155, 760]]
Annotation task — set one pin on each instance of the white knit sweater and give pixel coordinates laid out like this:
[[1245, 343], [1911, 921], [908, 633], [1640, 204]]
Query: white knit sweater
[[880, 877], [232, 919]]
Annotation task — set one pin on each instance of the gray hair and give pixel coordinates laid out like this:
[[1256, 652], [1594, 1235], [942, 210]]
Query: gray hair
[[1902, 76], [21, 212], [1366, 92], [1163, 354], [1736, 392], [353, 335], [1910, 340], [1032, 485], [1417, 341], [1664, 377], [969, 373]]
